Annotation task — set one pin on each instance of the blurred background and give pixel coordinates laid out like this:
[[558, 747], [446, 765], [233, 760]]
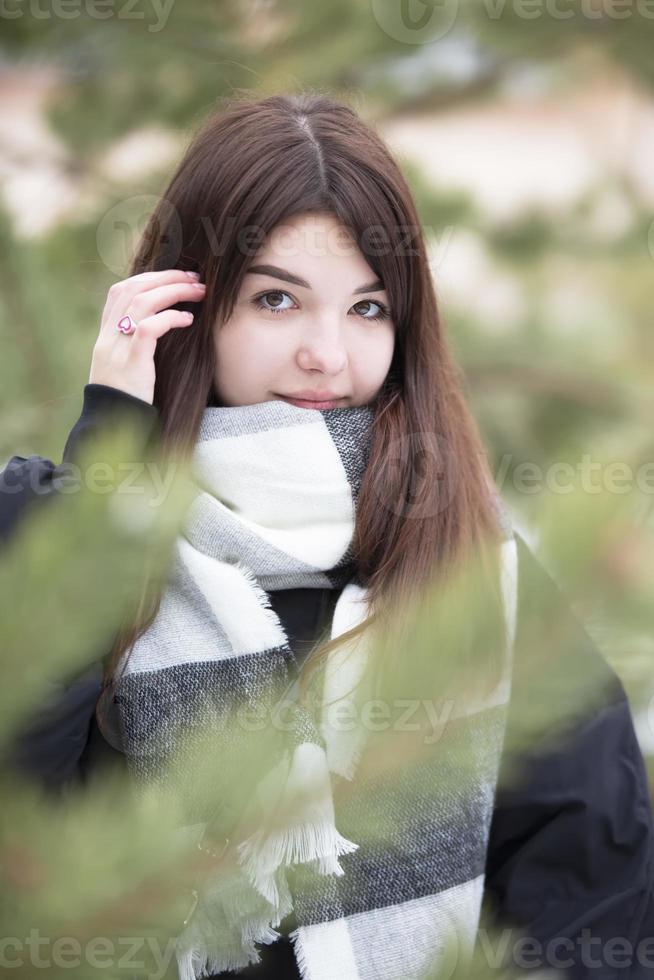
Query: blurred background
[[526, 130]]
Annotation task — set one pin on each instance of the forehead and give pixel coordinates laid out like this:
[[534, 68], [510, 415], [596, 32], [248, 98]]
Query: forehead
[[316, 247]]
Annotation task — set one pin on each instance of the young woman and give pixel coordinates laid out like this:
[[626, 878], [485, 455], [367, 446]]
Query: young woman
[[280, 327]]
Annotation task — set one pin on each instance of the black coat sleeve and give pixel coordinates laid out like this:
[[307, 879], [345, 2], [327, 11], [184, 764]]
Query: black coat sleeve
[[570, 861], [25, 481], [49, 747]]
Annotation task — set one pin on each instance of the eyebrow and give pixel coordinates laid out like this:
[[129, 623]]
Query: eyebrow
[[376, 286]]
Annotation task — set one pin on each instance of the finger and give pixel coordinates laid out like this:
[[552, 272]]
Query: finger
[[147, 304], [148, 331], [122, 293]]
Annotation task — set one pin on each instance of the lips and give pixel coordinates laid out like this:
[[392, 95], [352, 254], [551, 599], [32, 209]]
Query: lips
[[313, 398], [311, 403]]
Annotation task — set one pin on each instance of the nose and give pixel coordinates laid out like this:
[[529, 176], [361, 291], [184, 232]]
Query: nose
[[322, 348]]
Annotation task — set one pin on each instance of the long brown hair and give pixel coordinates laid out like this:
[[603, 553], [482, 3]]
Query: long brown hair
[[253, 164]]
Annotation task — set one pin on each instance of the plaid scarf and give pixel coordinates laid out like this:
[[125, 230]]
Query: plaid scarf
[[276, 510]]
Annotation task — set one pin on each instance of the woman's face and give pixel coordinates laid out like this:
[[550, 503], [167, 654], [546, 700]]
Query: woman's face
[[309, 321]]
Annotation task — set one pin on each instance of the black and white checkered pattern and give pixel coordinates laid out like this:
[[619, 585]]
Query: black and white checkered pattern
[[276, 510]]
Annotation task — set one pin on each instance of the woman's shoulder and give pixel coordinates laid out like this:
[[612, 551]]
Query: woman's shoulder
[[48, 746], [24, 480], [571, 758], [103, 403], [100, 403], [555, 655]]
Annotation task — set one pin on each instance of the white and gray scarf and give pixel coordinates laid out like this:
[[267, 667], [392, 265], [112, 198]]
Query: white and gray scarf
[[276, 510]]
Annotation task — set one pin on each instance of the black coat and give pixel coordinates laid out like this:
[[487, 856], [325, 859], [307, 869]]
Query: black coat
[[571, 848]]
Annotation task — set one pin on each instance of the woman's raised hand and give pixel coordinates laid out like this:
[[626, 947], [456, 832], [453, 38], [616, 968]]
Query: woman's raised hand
[[126, 360]]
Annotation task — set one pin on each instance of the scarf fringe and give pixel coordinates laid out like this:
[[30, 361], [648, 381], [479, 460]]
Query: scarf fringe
[[261, 855], [344, 759], [300, 956], [194, 965], [228, 923], [263, 599]]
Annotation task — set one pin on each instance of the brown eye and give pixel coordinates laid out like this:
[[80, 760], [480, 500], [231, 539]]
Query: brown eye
[[277, 298], [274, 306], [382, 313]]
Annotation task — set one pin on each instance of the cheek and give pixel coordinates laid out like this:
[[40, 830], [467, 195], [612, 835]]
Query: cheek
[[374, 352], [242, 343]]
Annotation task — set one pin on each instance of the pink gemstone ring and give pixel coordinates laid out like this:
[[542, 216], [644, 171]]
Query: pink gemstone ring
[[126, 324]]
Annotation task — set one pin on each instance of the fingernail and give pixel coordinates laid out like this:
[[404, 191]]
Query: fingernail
[[199, 285], [193, 275]]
